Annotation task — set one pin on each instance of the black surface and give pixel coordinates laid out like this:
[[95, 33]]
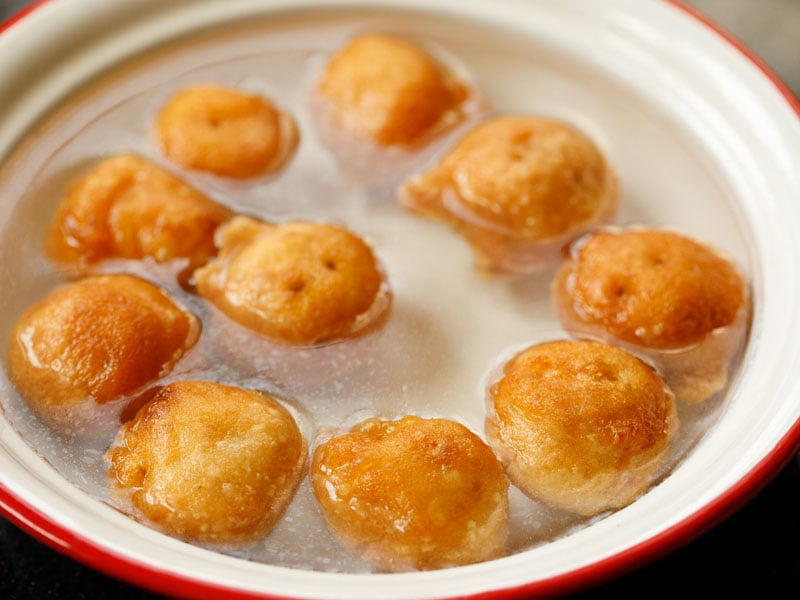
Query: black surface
[[757, 548]]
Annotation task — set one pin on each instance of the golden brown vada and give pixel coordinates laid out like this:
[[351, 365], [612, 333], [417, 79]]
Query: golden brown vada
[[94, 341], [581, 425], [391, 91], [129, 207], [208, 463], [662, 295], [225, 131], [413, 494], [518, 188], [299, 283]]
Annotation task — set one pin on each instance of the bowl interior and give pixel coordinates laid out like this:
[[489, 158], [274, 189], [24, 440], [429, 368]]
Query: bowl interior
[[702, 142]]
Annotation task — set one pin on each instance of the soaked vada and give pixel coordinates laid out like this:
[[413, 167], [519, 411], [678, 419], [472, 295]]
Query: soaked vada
[[581, 426], [391, 91], [663, 295], [298, 283], [225, 131], [94, 341], [413, 494], [518, 189], [127, 207], [208, 463]]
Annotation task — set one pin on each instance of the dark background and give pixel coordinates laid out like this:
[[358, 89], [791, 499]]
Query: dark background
[[755, 549]]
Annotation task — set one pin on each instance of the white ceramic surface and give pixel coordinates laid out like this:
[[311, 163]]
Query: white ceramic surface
[[704, 140]]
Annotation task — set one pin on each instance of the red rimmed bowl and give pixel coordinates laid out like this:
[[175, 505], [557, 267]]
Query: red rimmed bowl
[[703, 139]]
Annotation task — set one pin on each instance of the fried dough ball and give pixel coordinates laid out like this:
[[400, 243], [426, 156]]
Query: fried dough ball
[[413, 494], [208, 463], [581, 425], [518, 188], [298, 283], [225, 131], [391, 91], [94, 341], [662, 295], [128, 207]]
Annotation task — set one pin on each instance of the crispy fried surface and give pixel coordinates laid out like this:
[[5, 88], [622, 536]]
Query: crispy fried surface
[[516, 183], [129, 207], [97, 339], [390, 90], [581, 425], [225, 131], [413, 493], [655, 288], [301, 283], [662, 295], [208, 462]]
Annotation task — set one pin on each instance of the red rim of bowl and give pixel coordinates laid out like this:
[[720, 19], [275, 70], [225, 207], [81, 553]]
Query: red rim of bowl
[[77, 547]]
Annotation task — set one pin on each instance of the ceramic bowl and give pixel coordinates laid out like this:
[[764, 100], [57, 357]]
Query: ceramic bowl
[[704, 139]]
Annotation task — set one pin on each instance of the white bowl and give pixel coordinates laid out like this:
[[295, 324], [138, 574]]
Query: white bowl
[[704, 138]]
